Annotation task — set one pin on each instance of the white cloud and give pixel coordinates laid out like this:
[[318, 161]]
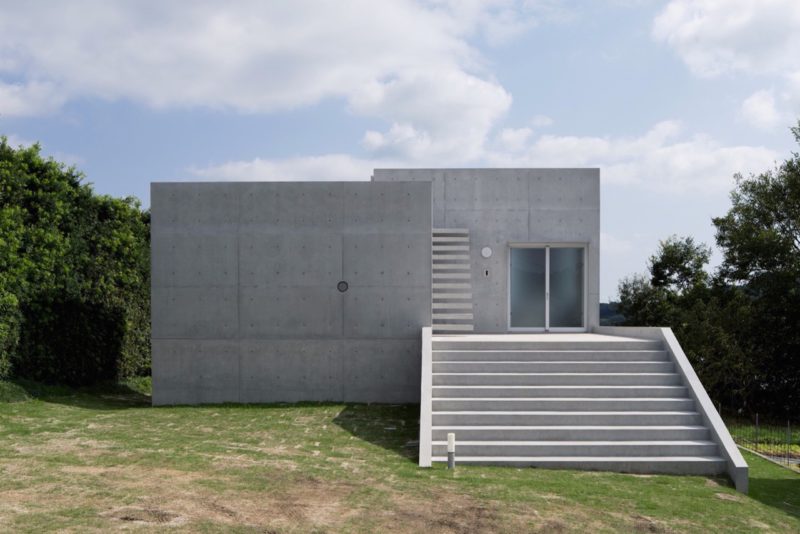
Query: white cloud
[[541, 121], [438, 114], [407, 62], [715, 37], [759, 110], [751, 37], [500, 21], [27, 99], [515, 139], [662, 159], [330, 168]]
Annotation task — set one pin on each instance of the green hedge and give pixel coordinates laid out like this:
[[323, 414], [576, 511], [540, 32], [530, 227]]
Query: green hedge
[[74, 275]]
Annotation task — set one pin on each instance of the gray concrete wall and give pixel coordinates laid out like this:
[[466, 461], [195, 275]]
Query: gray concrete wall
[[501, 206], [244, 300]]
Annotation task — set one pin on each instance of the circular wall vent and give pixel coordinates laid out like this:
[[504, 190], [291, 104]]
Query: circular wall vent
[[342, 286]]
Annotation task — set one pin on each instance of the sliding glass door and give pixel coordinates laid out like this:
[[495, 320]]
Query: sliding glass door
[[529, 287], [546, 288]]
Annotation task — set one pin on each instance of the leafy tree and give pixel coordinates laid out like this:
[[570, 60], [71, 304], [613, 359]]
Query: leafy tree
[[680, 264], [741, 327], [641, 303], [760, 239], [676, 272], [74, 275]]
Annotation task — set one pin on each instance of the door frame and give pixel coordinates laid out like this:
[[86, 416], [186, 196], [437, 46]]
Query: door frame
[[547, 246]]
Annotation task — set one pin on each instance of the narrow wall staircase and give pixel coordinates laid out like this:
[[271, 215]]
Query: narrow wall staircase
[[580, 401], [451, 297]]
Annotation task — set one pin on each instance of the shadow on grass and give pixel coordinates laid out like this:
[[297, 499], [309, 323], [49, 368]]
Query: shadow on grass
[[774, 485], [393, 427], [105, 396]]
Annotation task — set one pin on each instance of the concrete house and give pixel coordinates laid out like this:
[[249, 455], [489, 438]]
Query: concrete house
[[474, 292]]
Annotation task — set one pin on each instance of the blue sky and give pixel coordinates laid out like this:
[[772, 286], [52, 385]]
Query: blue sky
[[668, 98]]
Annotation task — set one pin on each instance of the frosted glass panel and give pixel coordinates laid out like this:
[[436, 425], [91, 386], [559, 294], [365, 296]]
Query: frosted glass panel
[[566, 287], [528, 287]]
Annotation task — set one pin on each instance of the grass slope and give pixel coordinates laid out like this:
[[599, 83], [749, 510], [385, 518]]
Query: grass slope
[[104, 459]]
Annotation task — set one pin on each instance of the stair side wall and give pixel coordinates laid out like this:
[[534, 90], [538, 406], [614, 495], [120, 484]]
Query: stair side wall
[[736, 466]]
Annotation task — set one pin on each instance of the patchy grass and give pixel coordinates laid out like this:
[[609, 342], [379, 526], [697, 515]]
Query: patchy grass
[[104, 459]]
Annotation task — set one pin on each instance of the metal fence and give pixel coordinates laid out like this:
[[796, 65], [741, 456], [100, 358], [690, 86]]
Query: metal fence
[[777, 440]]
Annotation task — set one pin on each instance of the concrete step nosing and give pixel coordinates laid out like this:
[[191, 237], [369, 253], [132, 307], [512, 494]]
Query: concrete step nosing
[[568, 427], [554, 374], [579, 442], [565, 412], [566, 399]]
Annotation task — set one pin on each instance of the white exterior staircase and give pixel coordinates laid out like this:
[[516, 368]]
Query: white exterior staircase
[[581, 401], [451, 284]]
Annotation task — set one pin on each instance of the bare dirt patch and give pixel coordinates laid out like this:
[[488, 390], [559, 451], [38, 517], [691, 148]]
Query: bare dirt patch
[[452, 513], [303, 504], [758, 524], [144, 515], [728, 497], [86, 470], [556, 526], [645, 524], [77, 446]]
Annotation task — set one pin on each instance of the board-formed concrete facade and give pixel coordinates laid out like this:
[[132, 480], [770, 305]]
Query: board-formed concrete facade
[[245, 299]]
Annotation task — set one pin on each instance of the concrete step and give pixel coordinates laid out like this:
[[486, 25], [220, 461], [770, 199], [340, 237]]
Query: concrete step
[[451, 285], [452, 316], [538, 418], [465, 343], [687, 465], [452, 305], [572, 433], [554, 379], [552, 367], [578, 448], [456, 238], [443, 258], [562, 404], [452, 276], [441, 327], [550, 355], [437, 248], [449, 231], [446, 267], [608, 392], [452, 296]]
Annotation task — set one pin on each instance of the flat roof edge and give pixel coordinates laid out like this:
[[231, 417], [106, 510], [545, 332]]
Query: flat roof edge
[[486, 169]]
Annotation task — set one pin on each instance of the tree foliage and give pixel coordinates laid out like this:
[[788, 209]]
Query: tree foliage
[[74, 275], [741, 326], [680, 264]]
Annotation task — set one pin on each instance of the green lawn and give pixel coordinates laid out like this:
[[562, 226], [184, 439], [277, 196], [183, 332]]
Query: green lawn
[[103, 459]]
